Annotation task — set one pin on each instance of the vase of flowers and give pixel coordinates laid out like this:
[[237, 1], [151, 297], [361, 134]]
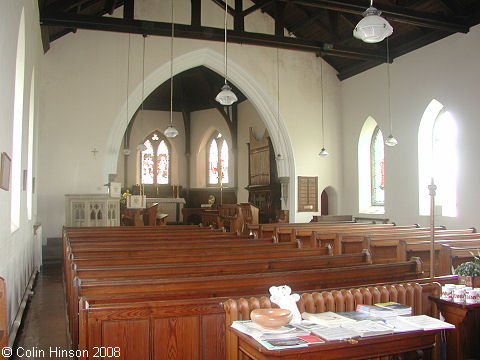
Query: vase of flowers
[[469, 272]]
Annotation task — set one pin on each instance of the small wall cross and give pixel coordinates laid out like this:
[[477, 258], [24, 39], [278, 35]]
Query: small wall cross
[[94, 152]]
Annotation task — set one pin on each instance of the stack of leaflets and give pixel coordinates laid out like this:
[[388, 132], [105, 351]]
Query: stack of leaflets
[[287, 336], [399, 309], [425, 322], [365, 328], [327, 318], [376, 311]]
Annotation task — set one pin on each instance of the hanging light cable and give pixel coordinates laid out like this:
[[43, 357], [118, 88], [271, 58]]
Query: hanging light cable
[[141, 146], [126, 150], [391, 141], [323, 152], [279, 155], [170, 131], [226, 96]]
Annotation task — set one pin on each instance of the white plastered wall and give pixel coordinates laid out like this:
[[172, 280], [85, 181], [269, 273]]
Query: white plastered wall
[[447, 71], [84, 100], [17, 248]]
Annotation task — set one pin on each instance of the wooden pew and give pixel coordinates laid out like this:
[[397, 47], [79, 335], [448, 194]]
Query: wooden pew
[[352, 242], [176, 329], [451, 256], [236, 285], [244, 254], [422, 249], [222, 267]]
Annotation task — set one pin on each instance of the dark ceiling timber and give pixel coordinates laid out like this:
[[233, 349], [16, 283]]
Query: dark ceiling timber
[[144, 27], [395, 14], [320, 26]]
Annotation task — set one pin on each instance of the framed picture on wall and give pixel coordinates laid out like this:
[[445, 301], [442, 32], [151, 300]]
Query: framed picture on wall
[[5, 172]]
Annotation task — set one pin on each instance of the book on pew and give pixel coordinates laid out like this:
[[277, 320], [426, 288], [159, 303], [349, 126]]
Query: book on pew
[[399, 309], [426, 322]]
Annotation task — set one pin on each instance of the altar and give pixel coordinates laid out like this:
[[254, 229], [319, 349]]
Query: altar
[[171, 206]]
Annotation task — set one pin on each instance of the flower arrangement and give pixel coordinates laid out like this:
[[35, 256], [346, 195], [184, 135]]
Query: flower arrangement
[[123, 199], [469, 268]]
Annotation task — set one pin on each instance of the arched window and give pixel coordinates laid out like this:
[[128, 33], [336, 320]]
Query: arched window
[[16, 175], [377, 168], [371, 169], [437, 159], [155, 160], [218, 160]]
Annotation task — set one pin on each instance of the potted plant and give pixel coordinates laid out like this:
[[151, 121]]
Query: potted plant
[[469, 272]]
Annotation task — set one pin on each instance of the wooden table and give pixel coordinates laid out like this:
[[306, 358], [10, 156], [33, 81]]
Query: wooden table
[[375, 346], [463, 341]]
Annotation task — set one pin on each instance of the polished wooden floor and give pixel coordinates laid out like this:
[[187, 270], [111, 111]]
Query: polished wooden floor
[[43, 333]]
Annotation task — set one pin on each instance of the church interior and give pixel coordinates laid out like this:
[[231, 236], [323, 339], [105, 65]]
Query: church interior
[[173, 159]]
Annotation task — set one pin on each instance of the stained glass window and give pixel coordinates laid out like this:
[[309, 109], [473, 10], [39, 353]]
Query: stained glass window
[[218, 160], [162, 163], [155, 160], [147, 163], [213, 163], [377, 168], [224, 162]]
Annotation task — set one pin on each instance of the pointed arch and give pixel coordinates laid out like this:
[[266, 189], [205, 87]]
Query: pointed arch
[[263, 104], [16, 176], [438, 159], [371, 165]]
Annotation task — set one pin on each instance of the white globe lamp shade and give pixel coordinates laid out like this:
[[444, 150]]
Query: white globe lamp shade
[[226, 96], [372, 28], [170, 131], [391, 141], [323, 152]]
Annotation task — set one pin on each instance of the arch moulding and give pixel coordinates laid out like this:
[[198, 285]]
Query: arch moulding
[[241, 79]]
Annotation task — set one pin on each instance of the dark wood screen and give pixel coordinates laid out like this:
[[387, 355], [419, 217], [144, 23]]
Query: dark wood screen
[[259, 160], [307, 193]]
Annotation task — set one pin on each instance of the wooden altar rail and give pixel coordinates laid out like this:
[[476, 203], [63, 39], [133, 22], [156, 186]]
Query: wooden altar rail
[[147, 329], [411, 294], [238, 285]]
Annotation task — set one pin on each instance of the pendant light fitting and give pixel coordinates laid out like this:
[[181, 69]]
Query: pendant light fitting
[[391, 141], [170, 131], [279, 155], [373, 28], [322, 152], [226, 96]]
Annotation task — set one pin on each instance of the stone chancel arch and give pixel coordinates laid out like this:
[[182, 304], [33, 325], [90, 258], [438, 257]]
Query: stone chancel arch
[[263, 104]]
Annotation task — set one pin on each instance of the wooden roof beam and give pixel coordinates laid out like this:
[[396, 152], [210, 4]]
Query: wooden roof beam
[[411, 17], [257, 6], [201, 33]]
